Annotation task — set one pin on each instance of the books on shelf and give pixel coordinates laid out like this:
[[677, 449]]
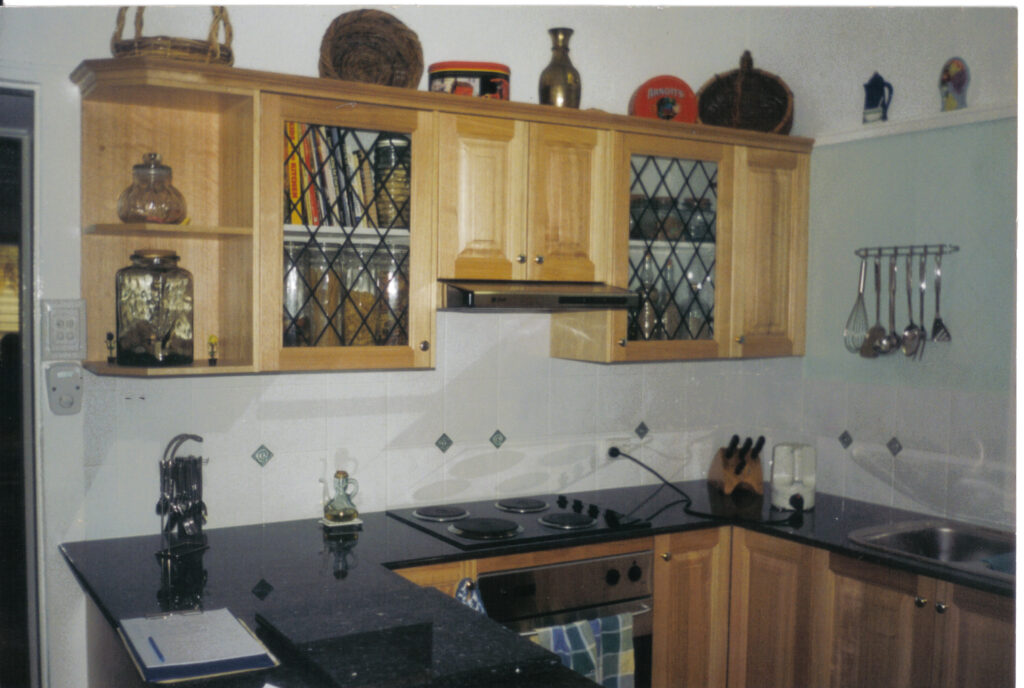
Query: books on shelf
[[294, 206], [183, 646]]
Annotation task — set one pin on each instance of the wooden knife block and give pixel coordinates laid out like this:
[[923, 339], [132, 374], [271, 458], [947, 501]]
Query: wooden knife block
[[722, 474]]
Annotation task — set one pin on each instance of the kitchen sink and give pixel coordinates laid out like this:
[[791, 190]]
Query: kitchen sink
[[964, 546]]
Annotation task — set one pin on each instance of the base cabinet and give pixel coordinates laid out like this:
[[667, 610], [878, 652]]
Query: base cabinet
[[894, 628], [691, 609]]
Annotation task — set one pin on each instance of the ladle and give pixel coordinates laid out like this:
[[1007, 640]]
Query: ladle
[[890, 342]]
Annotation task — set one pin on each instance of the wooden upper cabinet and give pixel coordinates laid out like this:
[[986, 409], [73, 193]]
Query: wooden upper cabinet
[[347, 273], [769, 296], [519, 200]]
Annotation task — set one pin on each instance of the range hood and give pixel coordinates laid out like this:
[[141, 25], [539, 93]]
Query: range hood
[[534, 296]]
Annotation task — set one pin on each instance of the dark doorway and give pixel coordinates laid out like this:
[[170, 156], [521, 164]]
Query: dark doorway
[[18, 602]]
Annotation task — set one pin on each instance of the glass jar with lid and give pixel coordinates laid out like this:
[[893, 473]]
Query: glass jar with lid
[[154, 311], [151, 197]]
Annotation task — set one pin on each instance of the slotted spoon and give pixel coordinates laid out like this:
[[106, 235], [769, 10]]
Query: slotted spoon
[[856, 329], [940, 333]]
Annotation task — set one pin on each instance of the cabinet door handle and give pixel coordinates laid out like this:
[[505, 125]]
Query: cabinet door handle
[[941, 607], [740, 339], [521, 258], [920, 601], [667, 556], [622, 342], [539, 260], [424, 345]]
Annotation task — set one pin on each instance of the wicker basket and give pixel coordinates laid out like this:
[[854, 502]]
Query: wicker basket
[[746, 98], [209, 51], [373, 47]]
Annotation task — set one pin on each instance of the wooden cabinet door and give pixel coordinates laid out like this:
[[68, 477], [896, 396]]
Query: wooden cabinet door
[[769, 298], [773, 624], [691, 608], [882, 625], [569, 202], [364, 318], [481, 197], [975, 632]]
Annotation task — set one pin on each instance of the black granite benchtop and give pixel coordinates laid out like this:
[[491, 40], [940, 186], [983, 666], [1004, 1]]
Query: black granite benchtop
[[332, 594]]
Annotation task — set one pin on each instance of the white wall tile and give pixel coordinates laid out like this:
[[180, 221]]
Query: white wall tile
[[923, 419], [871, 412], [524, 408], [415, 476], [572, 405], [470, 409], [415, 408], [291, 486], [869, 473]]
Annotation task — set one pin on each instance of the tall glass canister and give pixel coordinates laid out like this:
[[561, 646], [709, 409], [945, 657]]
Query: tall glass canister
[[154, 311]]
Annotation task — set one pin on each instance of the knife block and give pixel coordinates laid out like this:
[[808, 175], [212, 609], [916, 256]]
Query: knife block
[[724, 476]]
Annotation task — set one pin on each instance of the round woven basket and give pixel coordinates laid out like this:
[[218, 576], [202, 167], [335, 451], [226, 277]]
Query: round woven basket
[[746, 98], [193, 50], [372, 47]]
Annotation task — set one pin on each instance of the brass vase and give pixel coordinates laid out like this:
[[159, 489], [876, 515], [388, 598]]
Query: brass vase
[[560, 82]]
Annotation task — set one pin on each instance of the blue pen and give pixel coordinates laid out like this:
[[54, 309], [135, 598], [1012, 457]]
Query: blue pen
[[159, 654]]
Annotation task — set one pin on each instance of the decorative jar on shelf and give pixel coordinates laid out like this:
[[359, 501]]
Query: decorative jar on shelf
[[151, 197], [154, 311], [560, 81]]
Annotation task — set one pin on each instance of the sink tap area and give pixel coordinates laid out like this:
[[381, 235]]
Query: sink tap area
[[977, 549]]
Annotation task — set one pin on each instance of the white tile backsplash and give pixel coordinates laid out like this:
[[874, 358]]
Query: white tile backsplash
[[493, 373]]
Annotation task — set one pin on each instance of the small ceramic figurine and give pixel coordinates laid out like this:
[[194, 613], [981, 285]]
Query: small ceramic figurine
[[953, 84], [877, 97]]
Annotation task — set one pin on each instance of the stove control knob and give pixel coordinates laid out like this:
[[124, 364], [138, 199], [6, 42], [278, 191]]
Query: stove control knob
[[593, 511], [577, 506], [562, 501], [611, 577], [634, 573]]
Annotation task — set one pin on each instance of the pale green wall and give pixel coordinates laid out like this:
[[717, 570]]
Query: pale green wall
[[953, 185]]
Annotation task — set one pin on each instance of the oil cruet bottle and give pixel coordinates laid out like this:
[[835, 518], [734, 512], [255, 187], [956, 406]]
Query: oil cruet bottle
[[151, 197], [340, 507], [154, 311]]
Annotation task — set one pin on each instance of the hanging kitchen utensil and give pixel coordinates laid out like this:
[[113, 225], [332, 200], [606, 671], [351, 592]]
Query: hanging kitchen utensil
[[891, 341], [922, 263], [911, 333], [877, 332], [856, 330], [940, 333]]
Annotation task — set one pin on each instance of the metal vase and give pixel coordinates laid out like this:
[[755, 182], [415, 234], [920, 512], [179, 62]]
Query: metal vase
[[560, 82]]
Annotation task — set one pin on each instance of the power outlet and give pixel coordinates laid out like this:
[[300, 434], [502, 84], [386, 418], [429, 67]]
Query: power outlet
[[63, 322]]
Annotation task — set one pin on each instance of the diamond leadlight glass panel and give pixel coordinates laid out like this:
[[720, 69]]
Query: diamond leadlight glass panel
[[346, 250], [672, 212]]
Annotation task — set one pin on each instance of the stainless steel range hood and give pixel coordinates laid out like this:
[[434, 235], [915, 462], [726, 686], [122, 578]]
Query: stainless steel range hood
[[534, 296]]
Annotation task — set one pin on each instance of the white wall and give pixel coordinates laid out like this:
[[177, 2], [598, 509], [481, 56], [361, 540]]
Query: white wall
[[98, 469]]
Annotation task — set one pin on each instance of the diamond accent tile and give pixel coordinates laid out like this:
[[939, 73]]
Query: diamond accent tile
[[497, 439], [262, 589], [846, 439], [262, 456], [642, 430], [894, 446], [444, 443]]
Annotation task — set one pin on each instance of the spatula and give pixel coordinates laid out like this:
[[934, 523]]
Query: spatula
[[940, 333]]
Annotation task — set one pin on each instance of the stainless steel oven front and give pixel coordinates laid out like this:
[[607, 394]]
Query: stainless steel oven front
[[532, 598]]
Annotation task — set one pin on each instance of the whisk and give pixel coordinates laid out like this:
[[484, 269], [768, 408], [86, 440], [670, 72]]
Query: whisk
[[857, 324]]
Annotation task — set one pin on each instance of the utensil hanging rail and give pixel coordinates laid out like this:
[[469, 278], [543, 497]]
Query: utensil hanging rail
[[908, 250]]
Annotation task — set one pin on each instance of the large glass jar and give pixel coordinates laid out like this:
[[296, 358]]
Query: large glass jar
[[325, 307], [360, 308], [154, 311], [391, 175], [389, 269], [151, 197]]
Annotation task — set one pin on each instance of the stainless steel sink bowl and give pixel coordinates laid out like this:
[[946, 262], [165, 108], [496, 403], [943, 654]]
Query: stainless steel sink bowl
[[964, 546]]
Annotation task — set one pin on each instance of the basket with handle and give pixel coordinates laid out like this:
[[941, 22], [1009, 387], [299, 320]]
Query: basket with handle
[[210, 51], [746, 98]]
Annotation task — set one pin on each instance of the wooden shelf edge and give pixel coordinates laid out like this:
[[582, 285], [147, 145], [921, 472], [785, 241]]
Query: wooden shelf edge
[[155, 229], [198, 368]]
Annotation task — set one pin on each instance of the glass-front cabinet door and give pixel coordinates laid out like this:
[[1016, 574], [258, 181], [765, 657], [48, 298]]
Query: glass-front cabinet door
[[671, 245], [346, 236]]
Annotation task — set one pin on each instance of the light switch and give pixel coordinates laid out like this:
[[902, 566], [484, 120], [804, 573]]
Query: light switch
[[64, 388]]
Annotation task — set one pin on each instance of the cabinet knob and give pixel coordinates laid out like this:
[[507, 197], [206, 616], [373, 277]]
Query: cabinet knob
[[667, 556], [521, 258], [920, 601], [424, 345], [538, 260], [622, 342], [740, 339], [941, 607]]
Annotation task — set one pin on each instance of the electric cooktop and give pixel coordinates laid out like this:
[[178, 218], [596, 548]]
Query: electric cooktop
[[517, 520]]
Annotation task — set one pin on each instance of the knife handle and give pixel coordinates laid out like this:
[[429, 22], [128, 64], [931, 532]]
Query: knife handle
[[731, 449], [758, 446]]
